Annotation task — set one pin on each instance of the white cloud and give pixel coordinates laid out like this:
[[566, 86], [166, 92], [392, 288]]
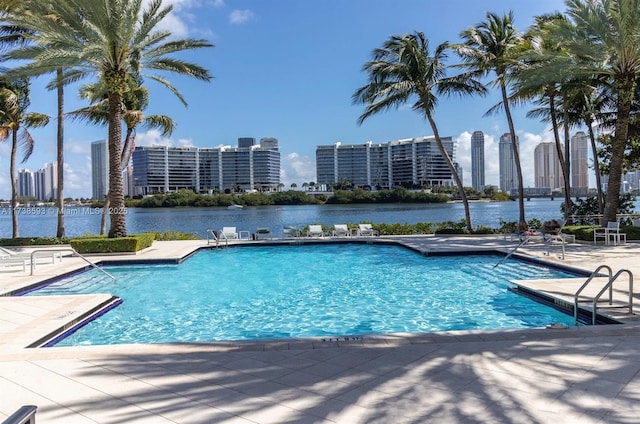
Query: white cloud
[[238, 17], [297, 169], [218, 4], [77, 147], [77, 179]]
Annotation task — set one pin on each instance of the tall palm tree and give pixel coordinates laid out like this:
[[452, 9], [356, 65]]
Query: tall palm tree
[[14, 35], [15, 121], [492, 46], [607, 44], [546, 77], [404, 69], [135, 100], [113, 40]]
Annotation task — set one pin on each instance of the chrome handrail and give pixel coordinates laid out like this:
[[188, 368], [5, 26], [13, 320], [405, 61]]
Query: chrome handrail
[[24, 415], [610, 287], [75, 253], [586, 283]]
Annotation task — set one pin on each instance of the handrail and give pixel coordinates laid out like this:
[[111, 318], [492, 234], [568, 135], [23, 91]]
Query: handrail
[[75, 253], [585, 284], [24, 415], [512, 252], [212, 233], [610, 287]]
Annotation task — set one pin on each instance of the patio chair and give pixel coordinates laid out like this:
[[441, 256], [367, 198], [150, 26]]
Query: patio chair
[[229, 233], [263, 233], [341, 230], [315, 231], [366, 230], [291, 231], [611, 234]]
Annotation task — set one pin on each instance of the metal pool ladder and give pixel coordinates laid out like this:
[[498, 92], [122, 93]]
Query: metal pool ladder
[[608, 286]]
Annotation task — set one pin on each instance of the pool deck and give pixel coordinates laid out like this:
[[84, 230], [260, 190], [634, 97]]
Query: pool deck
[[577, 374]]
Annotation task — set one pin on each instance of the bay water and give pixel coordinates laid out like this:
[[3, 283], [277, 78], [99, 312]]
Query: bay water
[[82, 220]]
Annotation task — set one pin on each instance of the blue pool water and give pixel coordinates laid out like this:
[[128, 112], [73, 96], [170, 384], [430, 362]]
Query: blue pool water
[[307, 290]]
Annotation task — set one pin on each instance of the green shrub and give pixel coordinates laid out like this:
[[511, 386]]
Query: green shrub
[[112, 245], [174, 235], [33, 241]]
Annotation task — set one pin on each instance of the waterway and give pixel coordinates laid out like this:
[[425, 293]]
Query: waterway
[[86, 220]]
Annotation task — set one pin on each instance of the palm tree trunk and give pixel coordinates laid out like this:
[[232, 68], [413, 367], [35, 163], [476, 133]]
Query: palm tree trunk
[[454, 173], [566, 169], [127, 149], [117, 212], [14, 184], [516, 150], [618, 144], [60, 136], [596, 165]]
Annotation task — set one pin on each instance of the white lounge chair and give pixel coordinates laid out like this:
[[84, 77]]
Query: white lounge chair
[[341, 230], [229, 233], [12, 256], [366, 230], [315, 231]]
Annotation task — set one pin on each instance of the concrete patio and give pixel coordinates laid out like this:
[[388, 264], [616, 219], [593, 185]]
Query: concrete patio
[[577, 374]]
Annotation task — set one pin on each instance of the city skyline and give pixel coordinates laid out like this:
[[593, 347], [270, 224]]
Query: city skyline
[[292, 91]]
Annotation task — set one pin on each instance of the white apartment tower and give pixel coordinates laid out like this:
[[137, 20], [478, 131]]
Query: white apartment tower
[[477, 160], [547, 170], [46, 182], [579, 163], [508, 171]]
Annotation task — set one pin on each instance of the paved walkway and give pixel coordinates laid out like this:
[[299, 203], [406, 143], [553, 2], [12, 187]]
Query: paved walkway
[[578, 374]]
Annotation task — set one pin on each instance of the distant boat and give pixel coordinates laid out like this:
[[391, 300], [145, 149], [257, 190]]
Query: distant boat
[[234, 206]]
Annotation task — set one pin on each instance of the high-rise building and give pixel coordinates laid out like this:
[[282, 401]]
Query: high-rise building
[[246, 142], [161, 169], [409, 162], [26, 183], [547, 170], [508, 171], [579, 164], [46, 182], [269, 143], [477, 160], [99, 169]]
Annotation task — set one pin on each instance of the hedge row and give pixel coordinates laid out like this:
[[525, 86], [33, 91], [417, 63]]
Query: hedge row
[[112, 245]]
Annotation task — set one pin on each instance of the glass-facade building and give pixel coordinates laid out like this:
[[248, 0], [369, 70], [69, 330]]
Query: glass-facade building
[[508, 171], [477, 160], [162, 169], [408, 162]]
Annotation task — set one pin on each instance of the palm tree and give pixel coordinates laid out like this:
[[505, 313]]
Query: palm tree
[[546, 76], [492, 46], [605, 38], [15, 122], [113, 40], [135, 100], [404, 69], [14, 35]]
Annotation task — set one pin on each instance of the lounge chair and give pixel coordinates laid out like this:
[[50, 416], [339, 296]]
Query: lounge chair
[[229, 233], [366, 230], [263, 233], [315, 231], [290, 231], [341, 230], [11, 256]]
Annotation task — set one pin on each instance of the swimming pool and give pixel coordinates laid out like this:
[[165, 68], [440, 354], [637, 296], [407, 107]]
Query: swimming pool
[[271, 292]]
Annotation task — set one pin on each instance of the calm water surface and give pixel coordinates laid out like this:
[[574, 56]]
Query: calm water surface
[[307, 291], [85, 220]]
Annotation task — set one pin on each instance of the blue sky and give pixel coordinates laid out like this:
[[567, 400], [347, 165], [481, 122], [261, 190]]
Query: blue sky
[[287, 69]]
